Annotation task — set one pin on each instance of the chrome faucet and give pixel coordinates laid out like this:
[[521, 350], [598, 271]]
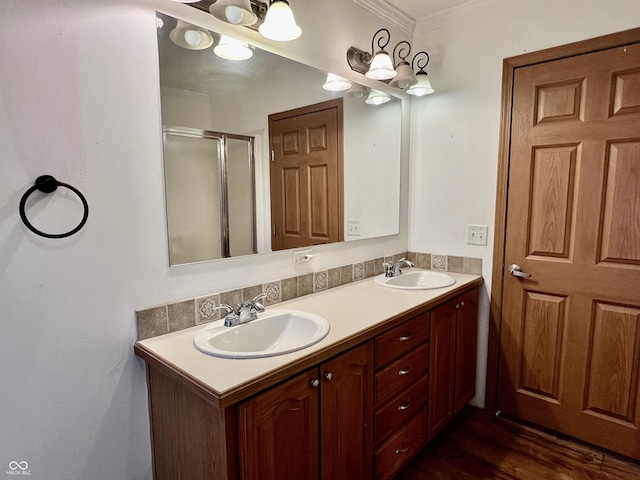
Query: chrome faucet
[[244, 312], [395, 269]]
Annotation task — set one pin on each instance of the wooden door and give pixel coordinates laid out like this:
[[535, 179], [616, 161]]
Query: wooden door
[[306, 176], [570, 338], [347, 415], [466, 348], [278, 431], [442, 355]]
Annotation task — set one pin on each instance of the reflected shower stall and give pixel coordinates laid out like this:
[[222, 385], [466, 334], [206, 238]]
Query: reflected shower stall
[[210, 194]]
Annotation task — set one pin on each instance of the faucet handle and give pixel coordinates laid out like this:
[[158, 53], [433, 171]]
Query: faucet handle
[[388, 269]]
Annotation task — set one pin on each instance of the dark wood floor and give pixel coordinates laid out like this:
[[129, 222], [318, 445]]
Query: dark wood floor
[[477, 445]]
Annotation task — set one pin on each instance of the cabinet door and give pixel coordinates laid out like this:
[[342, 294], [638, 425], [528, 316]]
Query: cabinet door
[[347, 415], [441, 367], [278, 431], [466, 348]]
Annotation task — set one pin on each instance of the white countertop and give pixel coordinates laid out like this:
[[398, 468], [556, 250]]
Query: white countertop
[[350, 309]]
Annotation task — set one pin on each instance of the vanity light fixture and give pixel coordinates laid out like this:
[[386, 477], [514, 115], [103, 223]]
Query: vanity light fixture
[[279, 24], [377, 97], [374, 65], [236, 12], [190, 36], [232, 49], [404, 77], [335, 83], [185, 1], [423, 85]]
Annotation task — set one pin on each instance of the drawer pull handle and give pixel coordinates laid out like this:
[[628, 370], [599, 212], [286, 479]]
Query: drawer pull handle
[[405, 406], [404, 338], [401, 450], [405, 371]]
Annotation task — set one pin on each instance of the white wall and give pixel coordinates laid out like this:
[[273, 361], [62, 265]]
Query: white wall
[[455, 131], [79, 100]]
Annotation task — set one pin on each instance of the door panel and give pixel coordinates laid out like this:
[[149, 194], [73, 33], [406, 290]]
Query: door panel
[[306, 175], [570, 338]]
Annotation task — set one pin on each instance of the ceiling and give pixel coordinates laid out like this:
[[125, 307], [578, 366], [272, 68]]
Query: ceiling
[[417, 9]]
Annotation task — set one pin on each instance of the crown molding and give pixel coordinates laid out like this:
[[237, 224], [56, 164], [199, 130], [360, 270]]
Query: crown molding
[[391, 14], [454, 14]]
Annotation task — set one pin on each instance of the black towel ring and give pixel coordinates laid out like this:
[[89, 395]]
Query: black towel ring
[[48, 184]]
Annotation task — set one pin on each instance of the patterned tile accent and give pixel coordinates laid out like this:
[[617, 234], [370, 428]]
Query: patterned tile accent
[[320, 281], [273, 291], [439, 262], [177, 316], [357, 272], [206, 310]]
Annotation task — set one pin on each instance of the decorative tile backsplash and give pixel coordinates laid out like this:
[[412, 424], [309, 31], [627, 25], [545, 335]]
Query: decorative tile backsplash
[[188, 313]]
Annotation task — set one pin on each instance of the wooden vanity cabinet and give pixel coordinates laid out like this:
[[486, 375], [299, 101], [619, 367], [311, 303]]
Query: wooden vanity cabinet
[[278, 430], [361, 414], [452, 359]]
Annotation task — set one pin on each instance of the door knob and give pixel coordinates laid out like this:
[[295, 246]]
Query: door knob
[[516, 271]]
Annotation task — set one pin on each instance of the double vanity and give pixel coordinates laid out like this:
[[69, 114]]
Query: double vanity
[[349, 383]]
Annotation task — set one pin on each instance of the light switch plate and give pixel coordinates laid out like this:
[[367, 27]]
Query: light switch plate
[[477, 234]]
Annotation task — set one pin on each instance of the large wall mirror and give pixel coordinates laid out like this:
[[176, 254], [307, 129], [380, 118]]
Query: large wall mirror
[[216, 117]]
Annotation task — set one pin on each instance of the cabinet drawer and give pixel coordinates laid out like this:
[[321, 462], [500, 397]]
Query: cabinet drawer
[[399, 340], [401, 373], [399, 409], [401, 447]]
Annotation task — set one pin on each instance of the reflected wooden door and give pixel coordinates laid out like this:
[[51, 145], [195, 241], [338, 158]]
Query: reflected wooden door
[[570, 339], [306, 175]]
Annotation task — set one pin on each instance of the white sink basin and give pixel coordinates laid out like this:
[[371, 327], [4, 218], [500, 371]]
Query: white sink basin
[[274, 332], [416, 280]]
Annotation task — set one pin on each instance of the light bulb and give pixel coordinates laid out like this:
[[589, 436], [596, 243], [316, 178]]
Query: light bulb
[[233, 14], [192, 37]]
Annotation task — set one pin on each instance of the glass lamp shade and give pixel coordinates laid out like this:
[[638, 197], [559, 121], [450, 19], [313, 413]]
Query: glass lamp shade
[[236, 12], [423, 87], [377, 97], [232, 49], [335, 83], [190, 36], [381, 67], [279, 24], [405, 77]]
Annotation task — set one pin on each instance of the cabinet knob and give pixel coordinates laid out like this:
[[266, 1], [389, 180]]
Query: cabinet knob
[[404, 371], [315, 383], [404, 338], [462, 304], [328, 376]]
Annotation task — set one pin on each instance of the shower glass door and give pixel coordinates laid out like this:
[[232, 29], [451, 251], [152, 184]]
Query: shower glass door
[[209, 182]]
